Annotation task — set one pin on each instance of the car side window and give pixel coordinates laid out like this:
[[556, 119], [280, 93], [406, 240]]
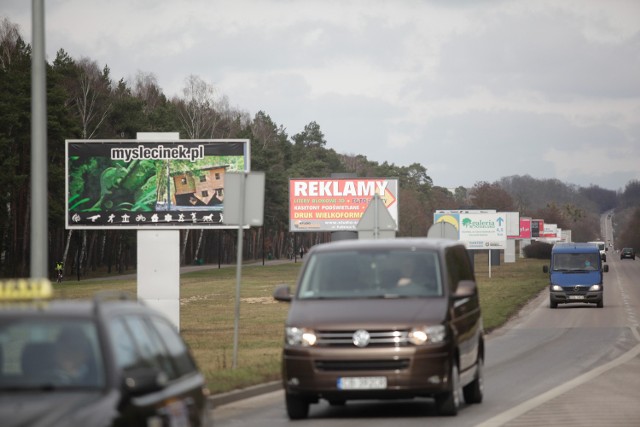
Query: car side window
[[124, 347], [458, 266], [175, 345], [150, 345]]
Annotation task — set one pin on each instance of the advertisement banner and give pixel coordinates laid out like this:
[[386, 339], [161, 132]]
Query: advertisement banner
[[537, 225], [140, 183], [483, 231], [525, 228], [332, 204]]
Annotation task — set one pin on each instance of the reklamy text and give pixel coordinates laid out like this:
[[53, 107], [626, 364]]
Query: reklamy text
[[158, 153], [332, 188]]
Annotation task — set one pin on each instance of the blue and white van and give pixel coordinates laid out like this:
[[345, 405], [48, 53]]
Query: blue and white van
[[576, 274]]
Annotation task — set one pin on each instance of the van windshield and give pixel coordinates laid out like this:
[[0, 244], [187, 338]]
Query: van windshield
[[372, 274], [576, 262]]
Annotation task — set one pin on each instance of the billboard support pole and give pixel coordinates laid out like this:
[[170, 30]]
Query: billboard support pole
[[158, 253], [236, 321]]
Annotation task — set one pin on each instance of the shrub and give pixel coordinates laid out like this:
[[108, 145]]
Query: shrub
[[538, 250]]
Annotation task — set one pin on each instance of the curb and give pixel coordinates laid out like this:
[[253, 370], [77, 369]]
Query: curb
[[245, 393]]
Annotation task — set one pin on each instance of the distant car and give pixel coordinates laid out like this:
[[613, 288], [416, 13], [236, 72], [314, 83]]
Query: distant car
[[101, 362], [628, 253], [383, 319]]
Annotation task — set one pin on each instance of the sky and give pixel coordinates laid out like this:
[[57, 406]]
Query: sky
[[473, 90]]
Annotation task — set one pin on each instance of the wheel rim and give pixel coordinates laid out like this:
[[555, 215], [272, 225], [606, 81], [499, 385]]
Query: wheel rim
[[455, 386]]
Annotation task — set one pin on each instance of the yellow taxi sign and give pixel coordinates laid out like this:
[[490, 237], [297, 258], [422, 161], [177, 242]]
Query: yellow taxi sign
[[25, 289]]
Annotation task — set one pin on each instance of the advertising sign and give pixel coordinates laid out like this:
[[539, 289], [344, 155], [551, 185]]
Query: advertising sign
[[537, 225], [142, 183], [331, 204], [525, 228], [483, 231]]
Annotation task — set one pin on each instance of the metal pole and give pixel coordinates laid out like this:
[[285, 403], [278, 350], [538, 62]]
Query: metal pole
[[39, 170], [236, 323]]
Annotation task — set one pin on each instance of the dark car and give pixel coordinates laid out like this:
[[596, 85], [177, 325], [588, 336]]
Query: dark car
[[628, 253], [383, 319], [101, 362]]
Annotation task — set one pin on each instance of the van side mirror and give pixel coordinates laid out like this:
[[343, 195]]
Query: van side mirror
[[545, 268], [466, 289], [282, 293]]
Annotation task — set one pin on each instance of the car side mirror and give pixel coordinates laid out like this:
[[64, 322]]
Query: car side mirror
[[466, 289], [142, 380], [545, 268], [282, 293]]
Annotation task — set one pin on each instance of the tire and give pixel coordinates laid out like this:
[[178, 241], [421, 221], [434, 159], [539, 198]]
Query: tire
[[553, 304], [600, 303], [448, 403], [474, 391], [297, 407]]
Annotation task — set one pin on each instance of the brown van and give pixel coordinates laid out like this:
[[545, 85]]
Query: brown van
[[383, 319]]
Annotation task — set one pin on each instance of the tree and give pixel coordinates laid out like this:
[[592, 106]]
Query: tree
[[491, 196], [196, 107], [91, 96]]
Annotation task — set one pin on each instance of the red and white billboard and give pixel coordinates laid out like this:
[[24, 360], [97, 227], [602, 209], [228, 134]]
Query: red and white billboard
[[337, 204], [525, 228]]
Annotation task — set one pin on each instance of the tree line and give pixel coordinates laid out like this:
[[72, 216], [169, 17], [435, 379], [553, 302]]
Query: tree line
[[85, 102]]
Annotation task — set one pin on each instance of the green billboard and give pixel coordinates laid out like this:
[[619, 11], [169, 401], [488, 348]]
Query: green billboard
[[143, 183]]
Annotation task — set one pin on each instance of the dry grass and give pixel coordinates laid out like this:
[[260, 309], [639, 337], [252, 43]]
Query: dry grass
[[207, 300]]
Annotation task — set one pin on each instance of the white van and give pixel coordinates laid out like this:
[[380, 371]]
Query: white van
[[603, 249]]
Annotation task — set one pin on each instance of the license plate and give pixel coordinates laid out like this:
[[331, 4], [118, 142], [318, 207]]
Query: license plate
[[576, 296], [362, 383]]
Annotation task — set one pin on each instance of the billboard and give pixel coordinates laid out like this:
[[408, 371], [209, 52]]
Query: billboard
[[144, 183], [525, 228], [337, 204], [537, 226], [477, 230]]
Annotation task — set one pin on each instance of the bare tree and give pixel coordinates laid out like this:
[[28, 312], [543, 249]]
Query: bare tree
[[145, 87], [91, 97], [9, 36], [196, 108]]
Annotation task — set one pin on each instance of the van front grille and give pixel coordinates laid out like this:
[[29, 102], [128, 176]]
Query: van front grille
[[377, 338]]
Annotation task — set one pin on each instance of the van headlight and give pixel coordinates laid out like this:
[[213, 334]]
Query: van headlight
[[556, 288], [595, 288], [300, 336], [427, 334]]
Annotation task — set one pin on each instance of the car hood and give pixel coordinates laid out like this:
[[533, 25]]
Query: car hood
[[390, 313], [56, 408], [576, 278]]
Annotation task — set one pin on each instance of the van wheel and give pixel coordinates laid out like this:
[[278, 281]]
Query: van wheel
[[448, 403], [473, 392], [553, 304], [297, 407], [600, 304]]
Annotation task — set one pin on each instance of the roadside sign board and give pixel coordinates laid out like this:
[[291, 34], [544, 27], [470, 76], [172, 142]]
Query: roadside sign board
[[477, 230], [252, 189], [150, 183], [337, 204], [484, 231]]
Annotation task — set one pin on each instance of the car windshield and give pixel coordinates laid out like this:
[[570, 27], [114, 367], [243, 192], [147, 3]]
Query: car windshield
[[48, 353], [576, 262], [394, 273]]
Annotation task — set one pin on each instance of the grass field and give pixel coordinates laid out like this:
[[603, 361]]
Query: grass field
[[207, 304]]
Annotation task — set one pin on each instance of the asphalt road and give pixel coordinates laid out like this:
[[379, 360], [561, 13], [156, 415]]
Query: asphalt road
[[576, 365]]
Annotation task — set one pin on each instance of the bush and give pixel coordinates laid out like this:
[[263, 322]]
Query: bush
[[538, 250]]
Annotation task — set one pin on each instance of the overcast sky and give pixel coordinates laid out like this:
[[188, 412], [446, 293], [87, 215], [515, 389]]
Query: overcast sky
[[473, 90]]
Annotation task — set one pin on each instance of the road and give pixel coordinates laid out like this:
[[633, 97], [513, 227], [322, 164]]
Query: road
[[575, 365]]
